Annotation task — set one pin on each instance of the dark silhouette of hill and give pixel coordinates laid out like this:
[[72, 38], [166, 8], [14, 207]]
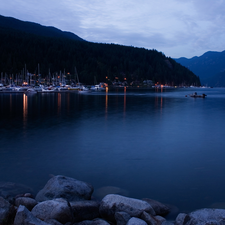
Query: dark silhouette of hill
[[105, 62], [209, 67], [34, 28]]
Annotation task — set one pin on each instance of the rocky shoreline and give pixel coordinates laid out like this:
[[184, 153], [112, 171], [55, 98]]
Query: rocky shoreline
[[67, 201]]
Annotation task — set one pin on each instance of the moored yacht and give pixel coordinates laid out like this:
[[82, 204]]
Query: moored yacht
[[98, 87], [31, 91], [84, 88]]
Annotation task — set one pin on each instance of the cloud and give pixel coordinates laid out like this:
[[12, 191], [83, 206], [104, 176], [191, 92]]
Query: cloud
[[176, 27]]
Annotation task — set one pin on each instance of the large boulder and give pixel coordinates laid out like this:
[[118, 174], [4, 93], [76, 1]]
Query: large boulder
[[97, 221], [149, 219], [206, 216], [160, 219], [85, 210], [136, 221], [122, 218], [54, 222], [159, 208], [26, 201], [7, 212], [25, 217], [112, 203], [65, 187], [57, 209], [182, 218]]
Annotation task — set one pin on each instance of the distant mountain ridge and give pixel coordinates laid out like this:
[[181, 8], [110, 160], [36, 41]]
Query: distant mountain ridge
[[210, 67], [37, 29]]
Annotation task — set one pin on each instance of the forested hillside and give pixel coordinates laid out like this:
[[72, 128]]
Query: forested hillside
[[103, 61]]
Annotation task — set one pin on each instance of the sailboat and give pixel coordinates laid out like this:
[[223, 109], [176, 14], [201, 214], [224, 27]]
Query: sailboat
[[78, 84], [98, 87]]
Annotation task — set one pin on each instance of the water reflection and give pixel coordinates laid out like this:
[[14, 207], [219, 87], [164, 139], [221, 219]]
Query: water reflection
[[25, 109], [59, 103], [159, 102], [124, 101], [106, 104]]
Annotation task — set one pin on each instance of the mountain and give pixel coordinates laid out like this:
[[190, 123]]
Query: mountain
[[218, 80], [34, 28], [210, 67], [41, 50]]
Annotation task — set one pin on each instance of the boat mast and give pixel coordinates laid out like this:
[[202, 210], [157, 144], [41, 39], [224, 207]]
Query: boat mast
[[76, 74]]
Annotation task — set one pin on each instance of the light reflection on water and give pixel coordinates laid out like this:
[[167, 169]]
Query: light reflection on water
[[25, 109], [157, 144]]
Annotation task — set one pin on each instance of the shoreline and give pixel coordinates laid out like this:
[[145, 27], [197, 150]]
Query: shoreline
[[65, 200]]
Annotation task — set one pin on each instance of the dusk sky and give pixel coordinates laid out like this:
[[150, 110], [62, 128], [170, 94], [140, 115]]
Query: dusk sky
[[178, 28]]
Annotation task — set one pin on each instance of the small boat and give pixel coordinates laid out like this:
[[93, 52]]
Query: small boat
[[31, 91], [84, 88], [22, 88], [73, 88], [2, 87], [10, 88], [47, 90], [98, 87], [195, 95], [37, 88], [63, 88]]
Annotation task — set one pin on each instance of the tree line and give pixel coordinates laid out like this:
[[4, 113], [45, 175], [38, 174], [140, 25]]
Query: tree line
[[105, 62]]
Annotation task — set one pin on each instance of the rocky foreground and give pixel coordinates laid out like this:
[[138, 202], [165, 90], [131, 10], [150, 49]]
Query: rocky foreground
[[65, 200]]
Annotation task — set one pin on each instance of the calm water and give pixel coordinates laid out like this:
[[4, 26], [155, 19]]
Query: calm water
[[160, 145]]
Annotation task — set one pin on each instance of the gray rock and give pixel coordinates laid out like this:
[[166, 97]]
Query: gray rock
[[7, 211], [159, 208], [65, 187], [112, 203], [25, 217], [122, 218], [207, 216], [150, 220], [26, 201], [160, 219], [136, 221], [57, 209], [53, 222], [29, 195], [9, 190], [93, 222], [182, 218], [85, 210]]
